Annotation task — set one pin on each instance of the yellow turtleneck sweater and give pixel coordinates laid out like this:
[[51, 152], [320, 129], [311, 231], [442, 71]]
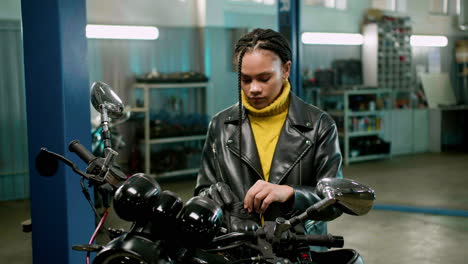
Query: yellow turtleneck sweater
[[266, 125]]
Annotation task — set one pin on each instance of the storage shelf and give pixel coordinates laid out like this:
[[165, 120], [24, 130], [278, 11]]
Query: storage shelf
[[364, 133], [335, 113], [368, 157], [361, 133], [361, 91], [453, 107], [147, 141], [364, 113], [176, 173], [176, 139], [355, 113], [139, 110], [345, 116], [170, 85]]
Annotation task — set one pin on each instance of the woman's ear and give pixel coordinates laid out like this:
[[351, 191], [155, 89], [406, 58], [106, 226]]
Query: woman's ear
[[286, 69]]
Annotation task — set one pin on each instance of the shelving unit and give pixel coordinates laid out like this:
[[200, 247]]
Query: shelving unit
[[386, 53], [342, 112], [461, 66], [148, 142]]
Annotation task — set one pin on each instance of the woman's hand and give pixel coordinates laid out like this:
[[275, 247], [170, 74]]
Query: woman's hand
[[263, 193]]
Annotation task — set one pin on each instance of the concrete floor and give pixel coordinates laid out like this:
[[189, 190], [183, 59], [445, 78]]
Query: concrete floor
[[383, 237]]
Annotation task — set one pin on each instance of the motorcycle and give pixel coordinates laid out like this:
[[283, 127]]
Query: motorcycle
[[165, 230]]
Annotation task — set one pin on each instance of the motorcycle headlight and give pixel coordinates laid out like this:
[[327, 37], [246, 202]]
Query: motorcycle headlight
[[134, 200], [199, 221], [164, 214]]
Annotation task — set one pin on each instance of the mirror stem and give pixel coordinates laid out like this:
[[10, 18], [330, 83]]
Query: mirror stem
[[105, 127], [311, 211], [283, 225]]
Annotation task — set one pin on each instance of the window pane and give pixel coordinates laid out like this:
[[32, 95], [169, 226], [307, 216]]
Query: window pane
[[438, 6], [341, 4], [338, 4], [324, 3], [384, 4]]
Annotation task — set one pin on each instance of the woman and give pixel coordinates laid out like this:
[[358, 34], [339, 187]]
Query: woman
[[269, 150]]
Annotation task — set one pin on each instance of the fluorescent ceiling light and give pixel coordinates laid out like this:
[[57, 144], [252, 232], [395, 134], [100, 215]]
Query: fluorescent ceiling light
[[428, 41], [121, 32], [332, 38]]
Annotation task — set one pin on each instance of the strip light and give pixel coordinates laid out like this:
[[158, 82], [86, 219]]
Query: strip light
[[428, 41], [121, 32], [332, 38]]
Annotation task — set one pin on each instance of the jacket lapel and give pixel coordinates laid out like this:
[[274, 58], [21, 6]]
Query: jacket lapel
[[292, 143], [249, 149]]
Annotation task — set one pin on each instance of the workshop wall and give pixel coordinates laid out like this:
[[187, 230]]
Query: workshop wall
[[117, 62], [198, 36], [162, 13], [14, 177], [321, 19], [10, 10]]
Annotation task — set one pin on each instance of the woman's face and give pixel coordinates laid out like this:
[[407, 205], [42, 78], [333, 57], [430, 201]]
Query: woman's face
[[262, 77]]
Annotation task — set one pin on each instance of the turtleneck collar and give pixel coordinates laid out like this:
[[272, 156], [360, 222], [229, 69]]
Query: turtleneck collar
[[279, 105]]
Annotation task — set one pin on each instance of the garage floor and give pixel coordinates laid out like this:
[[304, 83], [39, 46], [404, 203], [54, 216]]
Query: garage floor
[[434, 181]]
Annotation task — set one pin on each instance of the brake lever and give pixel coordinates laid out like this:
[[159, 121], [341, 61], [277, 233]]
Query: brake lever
[[68, 162]]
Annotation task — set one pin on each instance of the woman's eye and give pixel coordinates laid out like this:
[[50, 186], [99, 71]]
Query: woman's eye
[[246, 80], [264, 79]]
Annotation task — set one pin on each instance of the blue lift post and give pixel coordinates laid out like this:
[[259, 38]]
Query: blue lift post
[[58, 111], [289, 26]]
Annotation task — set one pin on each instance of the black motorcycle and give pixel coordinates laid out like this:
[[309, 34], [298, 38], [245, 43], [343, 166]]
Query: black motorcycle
[[165, 230]]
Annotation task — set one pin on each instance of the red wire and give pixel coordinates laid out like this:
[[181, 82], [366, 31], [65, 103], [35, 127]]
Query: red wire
[[93, 237], [103, 219]]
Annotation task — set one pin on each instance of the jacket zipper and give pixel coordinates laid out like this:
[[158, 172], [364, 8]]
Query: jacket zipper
[[217, 163], [300, 172]]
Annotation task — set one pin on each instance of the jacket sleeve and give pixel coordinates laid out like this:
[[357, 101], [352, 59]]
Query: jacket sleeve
[[327, 164], [208, 167]]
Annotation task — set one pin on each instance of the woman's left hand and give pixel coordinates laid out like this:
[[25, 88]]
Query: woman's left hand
[[263, 193]]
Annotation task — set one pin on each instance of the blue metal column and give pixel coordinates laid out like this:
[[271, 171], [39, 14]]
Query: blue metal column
[[58, 110], [289, 26]]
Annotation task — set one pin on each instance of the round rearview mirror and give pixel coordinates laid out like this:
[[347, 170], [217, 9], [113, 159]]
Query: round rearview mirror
[[102, 94], [354, 197]]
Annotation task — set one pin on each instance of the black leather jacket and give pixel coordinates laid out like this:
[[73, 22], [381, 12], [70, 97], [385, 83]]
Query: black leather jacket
[[307, 150]]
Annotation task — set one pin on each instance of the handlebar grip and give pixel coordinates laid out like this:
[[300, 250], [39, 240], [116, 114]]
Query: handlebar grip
[[80, 150], [328, 241]]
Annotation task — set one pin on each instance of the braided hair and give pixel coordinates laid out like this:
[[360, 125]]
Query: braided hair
[[258, 38]]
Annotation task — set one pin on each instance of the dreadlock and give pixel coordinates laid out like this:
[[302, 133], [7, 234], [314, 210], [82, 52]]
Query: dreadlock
[[265, 39]]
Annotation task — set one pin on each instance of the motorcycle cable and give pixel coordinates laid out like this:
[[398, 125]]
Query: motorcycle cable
[[93, 237], [88, 198], [259, 259], [220, 249]]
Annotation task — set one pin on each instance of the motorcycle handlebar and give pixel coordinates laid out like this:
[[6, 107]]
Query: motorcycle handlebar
[[80, 150], [328, 241]]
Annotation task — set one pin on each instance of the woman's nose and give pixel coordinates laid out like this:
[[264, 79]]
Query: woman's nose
[[255, 88]]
